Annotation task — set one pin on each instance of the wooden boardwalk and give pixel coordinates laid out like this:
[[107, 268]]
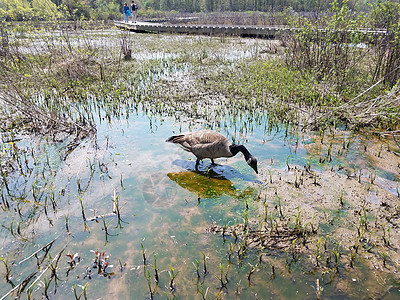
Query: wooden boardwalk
[[217, 30], [245, 31]]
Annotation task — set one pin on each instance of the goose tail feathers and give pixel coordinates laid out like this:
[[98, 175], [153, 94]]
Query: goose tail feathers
[[176, 139]]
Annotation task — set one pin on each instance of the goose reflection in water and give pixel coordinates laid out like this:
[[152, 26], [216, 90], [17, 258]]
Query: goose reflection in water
[[207, 183], [202, 186]]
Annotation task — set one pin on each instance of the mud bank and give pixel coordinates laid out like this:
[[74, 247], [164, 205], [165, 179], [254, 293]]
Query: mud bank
[[337, 219]]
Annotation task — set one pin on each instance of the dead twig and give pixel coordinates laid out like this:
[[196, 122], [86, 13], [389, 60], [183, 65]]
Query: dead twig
[[36, 252]]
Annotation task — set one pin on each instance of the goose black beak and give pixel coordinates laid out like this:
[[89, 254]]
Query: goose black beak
[[255, 169]]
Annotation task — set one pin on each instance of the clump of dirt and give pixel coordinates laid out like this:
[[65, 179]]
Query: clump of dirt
[[276, 236]]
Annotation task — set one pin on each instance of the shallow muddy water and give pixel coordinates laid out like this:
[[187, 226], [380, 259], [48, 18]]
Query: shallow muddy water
[[165, 207]]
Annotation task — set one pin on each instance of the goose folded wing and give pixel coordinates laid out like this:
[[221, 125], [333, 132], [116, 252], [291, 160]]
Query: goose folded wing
[[207, 149]]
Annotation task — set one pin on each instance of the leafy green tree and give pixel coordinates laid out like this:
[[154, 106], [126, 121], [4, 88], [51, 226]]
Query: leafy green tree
[[76, 9], [105, 10], [153, 4], [166, 5], [385, 15], [16, 10], [44, 9]]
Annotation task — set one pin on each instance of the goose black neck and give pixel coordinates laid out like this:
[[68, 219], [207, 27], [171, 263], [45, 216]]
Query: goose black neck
[[235, 149]]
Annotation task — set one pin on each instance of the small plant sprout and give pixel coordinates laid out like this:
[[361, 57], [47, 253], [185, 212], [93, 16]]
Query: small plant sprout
[[305, 233], [224, 230], [386, 234], [266, 211], [116, 209], [307, 167], [172, 276], [122, 182], [273, 272], [372, 177], [143, 254], [287, 162], [297, 180], [246, 203], [380, 151], [293, 249], [105, 228], [228, 267], [156, 277], [279, 207], [318, 252], [83, 214], [353, 256], [204, 292], [235, 234], [297, 225], [241, 252], [341, 203], [246, 219], [8, 271], [337, 255], [261, 233], [287, 263], [252, 270], [318, 289], [148, 278], [315, 177], [231, 249], [237, 291], [197, 266], [83, 293], [385, 258], [223, 283], [204, 264], [121, 266]]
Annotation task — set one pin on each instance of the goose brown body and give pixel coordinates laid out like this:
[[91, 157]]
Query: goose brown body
[[210, 144]]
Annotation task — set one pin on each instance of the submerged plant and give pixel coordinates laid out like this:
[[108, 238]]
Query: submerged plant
[[172, 276], [7, 274], [83, 293]]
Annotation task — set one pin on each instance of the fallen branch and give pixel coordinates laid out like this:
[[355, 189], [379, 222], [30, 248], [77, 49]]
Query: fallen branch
[[36, 252]]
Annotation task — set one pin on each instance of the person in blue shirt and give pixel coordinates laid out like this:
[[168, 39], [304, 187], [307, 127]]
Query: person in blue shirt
[[127, 12]]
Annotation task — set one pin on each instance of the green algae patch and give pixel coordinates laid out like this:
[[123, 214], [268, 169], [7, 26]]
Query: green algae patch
[[203, 186]]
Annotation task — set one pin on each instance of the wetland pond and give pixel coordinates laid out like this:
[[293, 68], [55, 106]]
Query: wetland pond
[[127, 216]]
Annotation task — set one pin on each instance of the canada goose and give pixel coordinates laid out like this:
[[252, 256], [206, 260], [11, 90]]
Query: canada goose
[[211, 144]]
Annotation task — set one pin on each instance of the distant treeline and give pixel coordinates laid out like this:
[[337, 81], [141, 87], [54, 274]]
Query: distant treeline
[[19, 10]]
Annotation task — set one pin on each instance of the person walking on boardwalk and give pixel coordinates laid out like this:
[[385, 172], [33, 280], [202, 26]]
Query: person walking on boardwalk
[[134, 11], [127, 13]]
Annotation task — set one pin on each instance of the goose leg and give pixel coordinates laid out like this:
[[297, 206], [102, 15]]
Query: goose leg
[[197, 164]]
